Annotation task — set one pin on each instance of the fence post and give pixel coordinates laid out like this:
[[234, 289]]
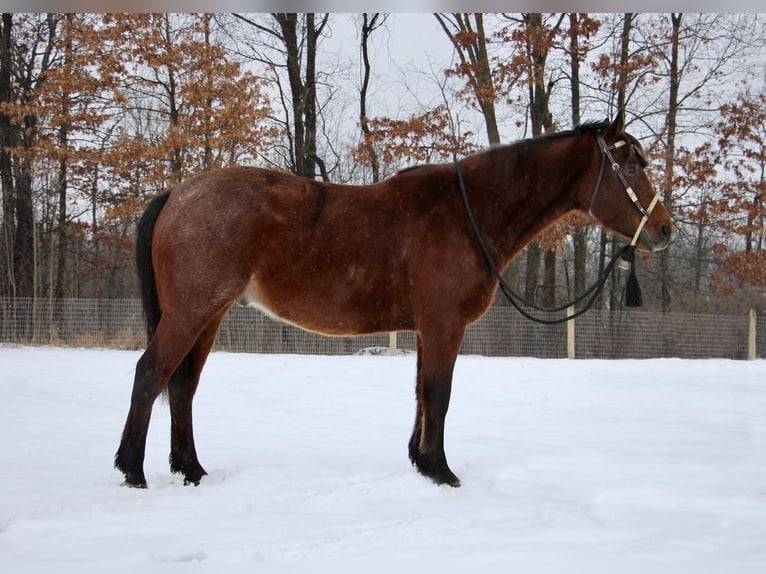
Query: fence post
[[570, 333], [392, 343], [751, 336]]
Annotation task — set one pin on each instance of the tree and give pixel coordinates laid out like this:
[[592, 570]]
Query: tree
[[187, 107], [74, 100], [31, 52], [742, 144], [295, 38], [466, 33], [97, 114], [370, 23], [7, 141], [581, 28], [532, 37], [696, 57], [420, 139], [671, 123], [195, 109], [622, 73]]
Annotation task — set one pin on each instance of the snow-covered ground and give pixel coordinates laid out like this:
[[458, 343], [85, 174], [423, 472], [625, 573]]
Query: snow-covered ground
[[631, 464]]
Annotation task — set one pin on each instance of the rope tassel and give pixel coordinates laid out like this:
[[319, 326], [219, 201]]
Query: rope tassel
[[633, 297]]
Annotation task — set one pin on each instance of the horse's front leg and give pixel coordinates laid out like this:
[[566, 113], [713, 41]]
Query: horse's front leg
[[435, 363]]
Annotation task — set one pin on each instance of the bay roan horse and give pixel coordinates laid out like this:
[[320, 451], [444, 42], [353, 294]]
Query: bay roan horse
[[399, 255]]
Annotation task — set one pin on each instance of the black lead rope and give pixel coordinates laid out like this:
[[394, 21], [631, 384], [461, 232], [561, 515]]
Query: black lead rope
[[627, 253]]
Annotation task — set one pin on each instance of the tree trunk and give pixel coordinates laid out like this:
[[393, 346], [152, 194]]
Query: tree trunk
[[62, 182], [23, 244], [700, 256], [549, 278], [61, 231], [303, 91], [310, 90], [581, 235], [534, 255], [602, 243], [369, 24], [288, 24], [7, 141], [541, 121], [470, 43], [670, 150], [615, 291], [174, 112]]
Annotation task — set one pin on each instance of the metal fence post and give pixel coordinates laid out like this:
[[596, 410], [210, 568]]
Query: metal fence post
[[570, 333], [392, 343], [751, 336]]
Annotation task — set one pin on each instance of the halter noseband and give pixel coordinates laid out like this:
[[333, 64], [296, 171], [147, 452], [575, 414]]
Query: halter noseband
[[606, 154]]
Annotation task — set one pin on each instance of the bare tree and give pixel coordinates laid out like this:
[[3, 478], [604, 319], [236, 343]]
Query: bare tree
[[533, 42], [8, 139], [370, 23], [469, 39], [295, 38], [581, 28]]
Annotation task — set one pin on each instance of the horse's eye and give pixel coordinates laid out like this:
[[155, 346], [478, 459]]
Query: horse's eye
[[631, 168]]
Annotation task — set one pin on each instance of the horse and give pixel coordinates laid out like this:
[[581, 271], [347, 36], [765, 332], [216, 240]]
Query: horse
[[341, 260]]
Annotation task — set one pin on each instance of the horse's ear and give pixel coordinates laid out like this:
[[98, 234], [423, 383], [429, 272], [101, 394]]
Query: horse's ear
[[615, 129]]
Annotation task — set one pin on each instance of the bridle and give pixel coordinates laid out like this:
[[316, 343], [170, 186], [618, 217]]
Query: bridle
[[606, 154], [626, 254]]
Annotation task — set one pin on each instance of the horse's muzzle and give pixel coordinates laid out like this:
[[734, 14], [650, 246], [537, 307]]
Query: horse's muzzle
[[657, 238]]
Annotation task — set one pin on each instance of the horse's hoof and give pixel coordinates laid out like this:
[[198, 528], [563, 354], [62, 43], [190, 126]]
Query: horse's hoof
[[193, 476], [446, 477], [439, 473], [133, 479], [189, 467]]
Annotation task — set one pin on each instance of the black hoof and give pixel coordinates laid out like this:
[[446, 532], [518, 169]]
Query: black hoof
[[194, 478], [131, 466], [437, 471], [444, 476], [134, 480], [190, 468]]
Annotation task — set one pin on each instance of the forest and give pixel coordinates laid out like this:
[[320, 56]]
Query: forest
[[101, 112]]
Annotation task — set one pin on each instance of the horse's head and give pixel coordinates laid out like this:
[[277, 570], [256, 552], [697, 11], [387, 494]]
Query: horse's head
[[621, 196]]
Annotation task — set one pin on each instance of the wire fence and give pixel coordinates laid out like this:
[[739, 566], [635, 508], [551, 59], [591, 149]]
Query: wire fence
[[624, 334]]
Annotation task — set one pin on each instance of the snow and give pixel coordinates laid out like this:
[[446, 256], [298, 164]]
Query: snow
[[564, 464]]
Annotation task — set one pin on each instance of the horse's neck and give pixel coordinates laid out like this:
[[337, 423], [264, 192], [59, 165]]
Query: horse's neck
[[518, 191]]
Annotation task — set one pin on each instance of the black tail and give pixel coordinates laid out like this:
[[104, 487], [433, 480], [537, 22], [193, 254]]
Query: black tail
[[144, 266]]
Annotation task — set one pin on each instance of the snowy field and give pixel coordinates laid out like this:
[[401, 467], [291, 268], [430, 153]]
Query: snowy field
[[566, 465]]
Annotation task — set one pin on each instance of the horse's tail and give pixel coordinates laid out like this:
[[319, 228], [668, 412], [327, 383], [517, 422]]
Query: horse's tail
[[144, 266]]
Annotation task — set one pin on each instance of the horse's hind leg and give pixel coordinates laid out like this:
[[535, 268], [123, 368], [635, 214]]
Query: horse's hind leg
[[436, 360], [181, 388], [170, 344]]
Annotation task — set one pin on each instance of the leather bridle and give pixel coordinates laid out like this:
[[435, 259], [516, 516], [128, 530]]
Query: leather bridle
[[606, 154], [625, 255]]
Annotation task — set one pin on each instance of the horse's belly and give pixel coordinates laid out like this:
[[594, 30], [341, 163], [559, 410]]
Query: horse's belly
[[314, 309]]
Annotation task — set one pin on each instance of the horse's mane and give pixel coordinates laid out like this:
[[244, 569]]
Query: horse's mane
[[412, 167], [593, 127], [590, 127]]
